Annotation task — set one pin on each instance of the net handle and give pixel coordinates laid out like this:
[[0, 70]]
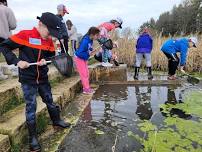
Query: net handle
[[36, 63]]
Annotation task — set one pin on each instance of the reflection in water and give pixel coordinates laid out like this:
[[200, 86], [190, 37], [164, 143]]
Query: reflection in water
[[173, 101], [111, 93], [117, 109], [144, 110]]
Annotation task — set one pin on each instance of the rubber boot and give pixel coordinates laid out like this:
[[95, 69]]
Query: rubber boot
[[55, 117], [116, 62], [34, 145], [150, 76], [137, 69]]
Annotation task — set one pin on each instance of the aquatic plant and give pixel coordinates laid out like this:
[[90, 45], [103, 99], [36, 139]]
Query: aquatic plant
[[176, 134]]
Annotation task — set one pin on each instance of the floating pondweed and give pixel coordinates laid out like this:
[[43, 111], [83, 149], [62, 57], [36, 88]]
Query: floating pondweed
[[177, 134]]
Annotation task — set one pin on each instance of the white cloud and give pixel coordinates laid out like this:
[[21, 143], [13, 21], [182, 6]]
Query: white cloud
[[86, 13]]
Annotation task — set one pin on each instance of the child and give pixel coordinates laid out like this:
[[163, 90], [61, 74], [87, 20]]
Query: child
[[82, 55], [143, 49], [171, 47], [35, 46], [105, 28], [72, 33], [112, 56]]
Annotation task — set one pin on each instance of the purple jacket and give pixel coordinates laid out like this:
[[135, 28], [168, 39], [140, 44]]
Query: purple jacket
[[144, 43]]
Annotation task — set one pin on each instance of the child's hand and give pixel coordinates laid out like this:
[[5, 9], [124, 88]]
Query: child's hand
[[23, 64], [182, 70], [42, 62], [115, 45], [94, 51]]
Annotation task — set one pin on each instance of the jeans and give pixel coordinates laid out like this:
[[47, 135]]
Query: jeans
[[105, 51], [139, 57], [73, 43], [30, 93], [173, 62], [105, 54]]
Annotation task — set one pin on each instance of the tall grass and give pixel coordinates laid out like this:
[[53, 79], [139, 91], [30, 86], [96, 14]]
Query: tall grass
[[126, 53]]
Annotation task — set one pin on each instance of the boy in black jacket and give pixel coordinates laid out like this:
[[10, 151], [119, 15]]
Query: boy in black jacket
[[35, 46]]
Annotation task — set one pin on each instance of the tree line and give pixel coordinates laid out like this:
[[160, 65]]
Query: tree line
[[183, 19]]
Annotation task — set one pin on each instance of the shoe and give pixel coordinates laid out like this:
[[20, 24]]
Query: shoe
[[137, 69], [88, 91], [107, 64], [55, 117], [116, 62], [34, 145], [150, 76], [173, 77]]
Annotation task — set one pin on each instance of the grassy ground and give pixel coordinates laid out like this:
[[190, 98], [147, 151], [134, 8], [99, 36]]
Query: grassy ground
[[2, 59]]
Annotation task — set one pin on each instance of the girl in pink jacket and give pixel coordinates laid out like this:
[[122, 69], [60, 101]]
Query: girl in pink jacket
[[105, 28]]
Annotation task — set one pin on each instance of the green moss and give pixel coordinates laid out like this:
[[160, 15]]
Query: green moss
[[12, 103], [42, 123], [15, 148], [92, 61], [55, 81], [177, 134]]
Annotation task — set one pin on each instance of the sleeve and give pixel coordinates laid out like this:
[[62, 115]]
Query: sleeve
[[151, 42], [70, 32], [137, 43], [104, 33], [74, 30], [6, 48], [83, 46], [11, 20], [183, 54]]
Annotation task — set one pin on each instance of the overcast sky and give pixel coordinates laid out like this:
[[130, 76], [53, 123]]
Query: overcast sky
[[86, 13]]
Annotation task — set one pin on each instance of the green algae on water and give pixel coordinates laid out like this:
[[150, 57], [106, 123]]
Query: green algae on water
[[177, 134]]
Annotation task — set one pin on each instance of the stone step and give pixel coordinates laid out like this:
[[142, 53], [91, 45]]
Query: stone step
[[11, 93], [115, 73], [15, 126], [51, 140], [143, 82], [4, 143]]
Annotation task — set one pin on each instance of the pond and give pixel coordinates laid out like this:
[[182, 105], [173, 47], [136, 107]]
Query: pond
[[123, 118]]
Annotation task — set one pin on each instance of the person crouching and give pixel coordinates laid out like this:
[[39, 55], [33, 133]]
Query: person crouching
[[173, 46]]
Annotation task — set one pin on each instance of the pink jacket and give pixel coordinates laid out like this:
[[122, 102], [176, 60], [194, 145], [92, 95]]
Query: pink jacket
[[105, 28]]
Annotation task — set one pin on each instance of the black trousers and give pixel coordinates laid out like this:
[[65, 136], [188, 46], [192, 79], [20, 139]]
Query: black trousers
[[66, 40], [1, 39], [173, 62]]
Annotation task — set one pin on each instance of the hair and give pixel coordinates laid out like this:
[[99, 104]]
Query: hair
[[4, 2], [93, 31], [113, 21], [69, 22]]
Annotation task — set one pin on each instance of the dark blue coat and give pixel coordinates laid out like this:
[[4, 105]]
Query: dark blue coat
[[144, 43]]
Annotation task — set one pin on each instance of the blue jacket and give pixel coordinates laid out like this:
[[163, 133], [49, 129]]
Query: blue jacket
[[83, 52], [144, 43], [173, 46]]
